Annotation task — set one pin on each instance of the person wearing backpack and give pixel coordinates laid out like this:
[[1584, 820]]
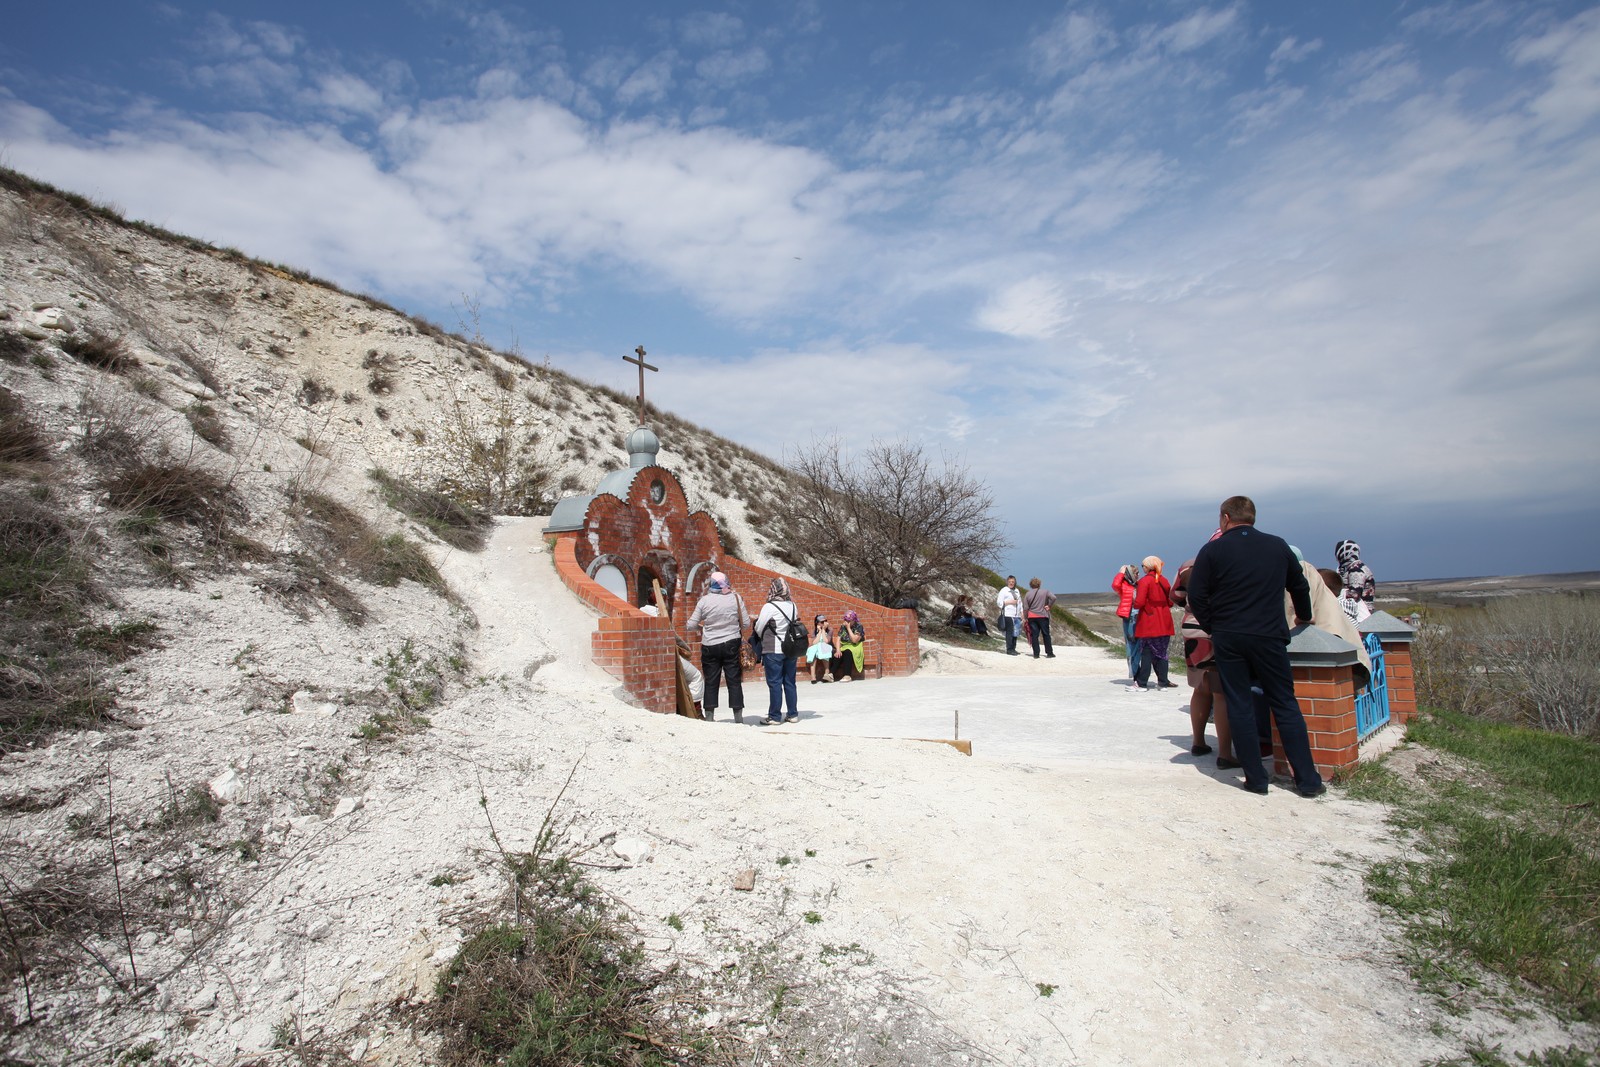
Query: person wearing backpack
[[783, 641]]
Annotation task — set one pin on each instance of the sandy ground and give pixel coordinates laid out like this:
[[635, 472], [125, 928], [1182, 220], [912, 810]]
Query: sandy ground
[[1166, 913], [1079, 891]]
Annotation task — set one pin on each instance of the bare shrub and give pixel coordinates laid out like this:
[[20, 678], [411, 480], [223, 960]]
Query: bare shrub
[[380, 380], [887, 524], [113, 433], [99, 350], [176, 491], [47, 682], [300, 582], [207, 424], [21, 440], [313, 391], [1533, 660]]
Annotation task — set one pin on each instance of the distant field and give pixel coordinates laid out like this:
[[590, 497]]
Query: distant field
[[1098, 610]]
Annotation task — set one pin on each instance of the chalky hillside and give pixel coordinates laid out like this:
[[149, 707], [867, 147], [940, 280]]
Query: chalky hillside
[[276, 714]]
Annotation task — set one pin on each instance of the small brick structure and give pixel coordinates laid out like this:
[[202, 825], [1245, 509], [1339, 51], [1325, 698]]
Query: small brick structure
[[636, 529], [1325, 686], [1396, 637]]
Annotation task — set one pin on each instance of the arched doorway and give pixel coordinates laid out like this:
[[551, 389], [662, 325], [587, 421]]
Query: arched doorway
[[660, 567]]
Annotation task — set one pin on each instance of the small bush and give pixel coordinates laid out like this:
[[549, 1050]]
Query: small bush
[[345, 539], [300, 582], [47, 682], [454, 524], [314, 392], [175, 491], [14, 348], [554, 978], [207, 425], [120, 641], [21, 441], [98, 350]]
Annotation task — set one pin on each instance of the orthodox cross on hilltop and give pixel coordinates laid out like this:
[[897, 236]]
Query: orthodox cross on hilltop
[[638, 359]]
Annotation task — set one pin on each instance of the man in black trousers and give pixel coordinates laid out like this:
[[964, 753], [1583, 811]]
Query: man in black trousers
[[1236, 593]]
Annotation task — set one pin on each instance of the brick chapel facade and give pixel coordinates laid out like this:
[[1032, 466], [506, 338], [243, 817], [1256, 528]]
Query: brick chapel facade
[[635, 530]]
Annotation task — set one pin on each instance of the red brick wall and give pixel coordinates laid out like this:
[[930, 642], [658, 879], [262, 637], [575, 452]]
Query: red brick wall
[[627, 644], [1327, 697], [891, 634], [1402, 683]]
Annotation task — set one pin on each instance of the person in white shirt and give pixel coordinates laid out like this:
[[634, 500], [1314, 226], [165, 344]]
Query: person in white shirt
[[1009, 601]]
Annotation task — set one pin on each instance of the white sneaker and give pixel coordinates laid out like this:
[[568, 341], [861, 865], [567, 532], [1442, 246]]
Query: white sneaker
[[1136, 689]]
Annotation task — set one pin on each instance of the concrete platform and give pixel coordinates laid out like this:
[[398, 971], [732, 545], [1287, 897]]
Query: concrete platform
[[1048, 719]]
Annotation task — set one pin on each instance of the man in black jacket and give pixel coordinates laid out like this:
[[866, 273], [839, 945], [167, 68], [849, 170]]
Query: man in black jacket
[[1236, 593]]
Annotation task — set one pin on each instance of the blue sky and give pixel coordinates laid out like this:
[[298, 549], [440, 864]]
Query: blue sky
[[1123, 259]]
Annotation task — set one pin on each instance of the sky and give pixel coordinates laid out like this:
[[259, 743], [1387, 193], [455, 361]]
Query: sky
[[1120, 260]]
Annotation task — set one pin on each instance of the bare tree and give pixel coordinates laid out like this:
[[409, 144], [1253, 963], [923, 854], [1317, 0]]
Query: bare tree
[[887, 523]]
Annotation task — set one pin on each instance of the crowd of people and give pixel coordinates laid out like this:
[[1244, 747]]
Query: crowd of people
[[1238, 596], [777, 639]]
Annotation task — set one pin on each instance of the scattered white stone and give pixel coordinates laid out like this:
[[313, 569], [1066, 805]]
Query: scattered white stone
[[318, 930], [206, 999], [53, 319], [226, 786], [305, 703], [345, 806], [632, 849]]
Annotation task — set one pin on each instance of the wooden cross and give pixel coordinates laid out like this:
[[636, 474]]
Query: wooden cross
[[643, 366]]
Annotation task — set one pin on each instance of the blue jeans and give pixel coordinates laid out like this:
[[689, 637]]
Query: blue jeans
[[1133, 646], [1241, 658], [780, 671], [1011, 626]]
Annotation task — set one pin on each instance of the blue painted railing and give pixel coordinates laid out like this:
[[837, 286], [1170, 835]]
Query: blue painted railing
[[1372, 703]]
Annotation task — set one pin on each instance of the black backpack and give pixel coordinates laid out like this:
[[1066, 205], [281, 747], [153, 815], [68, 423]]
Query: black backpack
[[795, 639]]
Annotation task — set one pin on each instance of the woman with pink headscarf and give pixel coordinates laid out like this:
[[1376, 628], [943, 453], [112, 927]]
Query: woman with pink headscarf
[[851, 655]]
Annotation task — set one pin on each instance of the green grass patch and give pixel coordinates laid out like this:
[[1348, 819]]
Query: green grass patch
[[1506, 870], [453, 523], [555, 977]]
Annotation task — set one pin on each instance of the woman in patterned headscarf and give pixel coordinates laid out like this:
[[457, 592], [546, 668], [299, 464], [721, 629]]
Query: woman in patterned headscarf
[[1359, 590]]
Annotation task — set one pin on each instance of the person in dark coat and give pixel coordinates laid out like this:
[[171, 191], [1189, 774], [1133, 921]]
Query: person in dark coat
[[1236, 594]]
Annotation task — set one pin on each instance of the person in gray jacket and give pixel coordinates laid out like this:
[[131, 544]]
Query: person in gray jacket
[[722, 619]]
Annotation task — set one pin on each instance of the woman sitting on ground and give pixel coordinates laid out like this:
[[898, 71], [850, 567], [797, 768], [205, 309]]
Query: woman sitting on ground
[[962, 618], [850, 656], [820, 654]]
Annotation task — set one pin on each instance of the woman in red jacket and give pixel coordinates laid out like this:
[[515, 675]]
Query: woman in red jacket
[[1153, 601], [1124, 585]]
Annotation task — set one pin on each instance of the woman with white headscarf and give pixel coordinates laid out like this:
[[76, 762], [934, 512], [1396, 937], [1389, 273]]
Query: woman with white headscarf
[[776, 616]]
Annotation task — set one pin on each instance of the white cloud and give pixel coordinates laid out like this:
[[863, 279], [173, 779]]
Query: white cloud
[[650, 81], [729, 67], [1572, 51], [1073, 39], [710, 29], [1035, 308], [1290, 50], [1380, 74]]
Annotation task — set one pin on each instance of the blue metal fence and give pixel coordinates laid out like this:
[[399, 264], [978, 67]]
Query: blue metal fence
[[1372, 703]]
